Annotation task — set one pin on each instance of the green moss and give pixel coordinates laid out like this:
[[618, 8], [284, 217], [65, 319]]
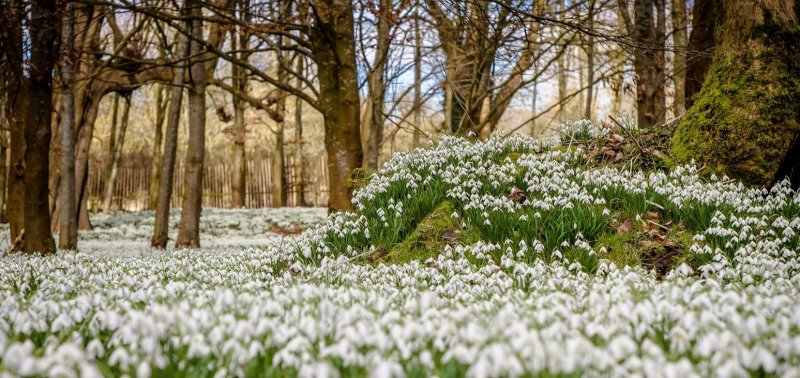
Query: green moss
[[358, 179], [635, 248], [748, 111], [620, 249], [430, 236]]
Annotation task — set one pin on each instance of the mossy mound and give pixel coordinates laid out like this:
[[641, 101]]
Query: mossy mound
[[430, 237], [520, 200]]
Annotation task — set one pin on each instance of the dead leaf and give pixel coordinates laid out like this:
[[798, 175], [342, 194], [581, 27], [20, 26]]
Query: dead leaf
[[517, 195], [625, 226], [450, 235]]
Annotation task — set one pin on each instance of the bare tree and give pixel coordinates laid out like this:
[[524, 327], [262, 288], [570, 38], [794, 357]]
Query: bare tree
[[189, 229], [161, 225], [43, 32], [68, 226], [376, 83], [115, 151], [648, 32], [680, 42], [278, 181], [299, 142], [472, 34], [162, 103], [240, 40], [13, 16], [417, 77], [701, 47], [332, 45]]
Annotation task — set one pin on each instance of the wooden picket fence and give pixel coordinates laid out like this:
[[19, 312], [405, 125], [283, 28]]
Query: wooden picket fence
[[131, 191]]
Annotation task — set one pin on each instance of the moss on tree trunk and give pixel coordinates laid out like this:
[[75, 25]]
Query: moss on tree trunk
[[745, 122]]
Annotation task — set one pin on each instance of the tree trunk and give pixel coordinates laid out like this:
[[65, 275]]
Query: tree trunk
[[112, 168], [333, 47], [3, 171], [587, 113], [644, 61], [679, 56], [161, 225], [239, 153], [377, 86], [189, 229], [112, 139], [618, 59], [660, 61], [417, 79], [15, 109], [38, 237], [15, 209], [561, 65], [4, 125], [701, 47], [278, 180], [68, 223], [648, 58], [448, 109], [55, 148], [745, 121], [157, 151], [85, 133], [299, 170]]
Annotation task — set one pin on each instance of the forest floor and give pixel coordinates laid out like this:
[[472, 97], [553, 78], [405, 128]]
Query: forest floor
[[129, 233], [506, 257]]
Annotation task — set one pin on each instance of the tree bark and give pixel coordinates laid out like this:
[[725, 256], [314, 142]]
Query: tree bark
[[679, 55], [745, 121], [701, 47], [238, 153], [4, 126], [189, 229], [660, 67], [3, 171], [299, 169], [85, 132], [112, 168], [161, 225], [68, 223], [16, 109], [377, 86], [333, 49], [648, 58], [417, 79], [38, 237], [239, 81], [561, 65], [278, 180], [157, 151], [112, 139], [587, 113]]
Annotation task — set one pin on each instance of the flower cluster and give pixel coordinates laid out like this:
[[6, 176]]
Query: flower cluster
[[539, 292]]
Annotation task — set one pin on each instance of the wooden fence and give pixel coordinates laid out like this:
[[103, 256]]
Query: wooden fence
[[131, 191]]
